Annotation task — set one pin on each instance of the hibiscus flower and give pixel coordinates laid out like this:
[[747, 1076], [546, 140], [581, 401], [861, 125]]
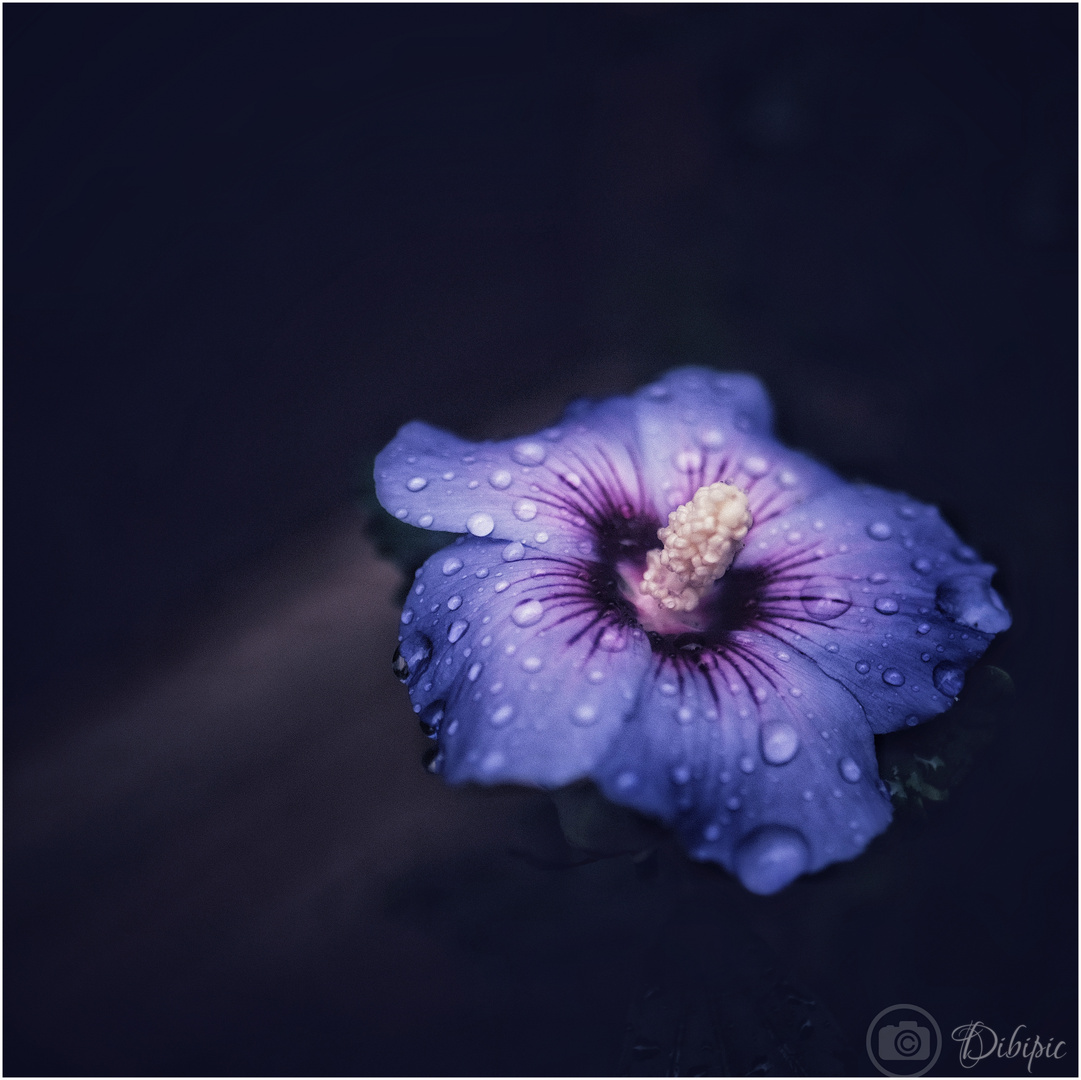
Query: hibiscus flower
[[658, 596]]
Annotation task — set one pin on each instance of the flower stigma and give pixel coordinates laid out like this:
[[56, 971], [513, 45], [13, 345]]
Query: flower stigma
[[701, 540]]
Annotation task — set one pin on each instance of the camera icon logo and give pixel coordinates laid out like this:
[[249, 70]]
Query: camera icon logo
[[904, 1040]]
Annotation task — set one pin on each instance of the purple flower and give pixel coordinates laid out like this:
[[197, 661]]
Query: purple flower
[[729, 683]]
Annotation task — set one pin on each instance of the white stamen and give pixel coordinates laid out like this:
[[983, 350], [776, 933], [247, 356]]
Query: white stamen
[[701, 539]]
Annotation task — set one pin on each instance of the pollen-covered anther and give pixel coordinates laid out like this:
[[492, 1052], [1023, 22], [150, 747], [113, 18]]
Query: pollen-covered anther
[[701, 539]]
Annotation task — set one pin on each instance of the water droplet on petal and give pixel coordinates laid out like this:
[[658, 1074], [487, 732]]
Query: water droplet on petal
[[922, 566], [407, 617], [779, 743], [412, 656], [688, 461], [401, 514], [912, 720], [502, 714], [966, 554], [527, 613], [452, 565], [529, 453], [474, 672], [949, 678], [681, 774], [863, 667], [879, 530], [892, 677], [746, 764], [585, 715], [825, 599], [501, 479], [454, 603], [756, 466], [685, 714], [668, 689], [532, 663], [711, 438], [733, 802], [849, 770], [431, 717], [626, 780], [493, 760], [456, 629], [513, 552], [480, 524], [886, 605], [425, 520], [770, 858], [525, 509], [613, 639], [418, 483]]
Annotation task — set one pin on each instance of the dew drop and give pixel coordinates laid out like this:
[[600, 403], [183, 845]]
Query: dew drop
[[711, 438], [779, 743], [922, 566], [949, 678], [770, 858], [849, 770], [756, 466], [585, 715], [596, 676], [863, 667], [412, 657], [825, 599], [480, 523], [626, 780], [923, 628], [527, 613], [474, 672], [431, 717], [688, 461], [892, 677], [668, 689], [912, 721], [532, 663], [401, 514], [685, 714], [452, 565], [501, 479], [886, 605], [525, 509], [529, 453], [418, 483], [502, 586], [493, 760], [425, 520], [456, 630], [613, 639], [502, 714], [879, 530], [681, 774], [454, 603], [965, 554], [407, 617], [746, 764]]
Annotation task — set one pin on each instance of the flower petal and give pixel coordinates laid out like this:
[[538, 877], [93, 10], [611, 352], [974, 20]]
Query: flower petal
[[760, 763], [882, 595], [551, 490], [695, 427], [522, 680]]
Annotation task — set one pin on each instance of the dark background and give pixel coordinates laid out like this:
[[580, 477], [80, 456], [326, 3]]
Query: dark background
[[243, 245]]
